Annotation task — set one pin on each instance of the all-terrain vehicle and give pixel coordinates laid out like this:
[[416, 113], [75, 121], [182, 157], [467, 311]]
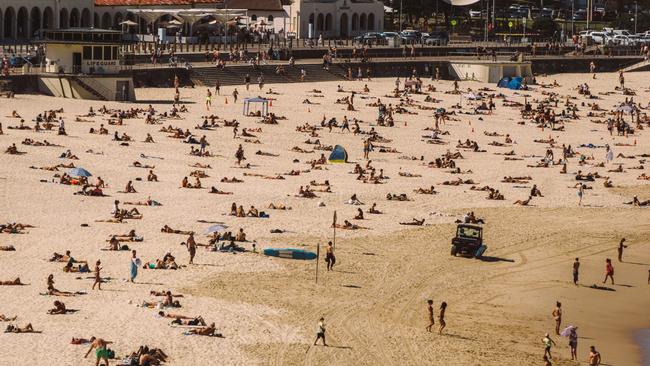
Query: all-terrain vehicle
[[468, 241]]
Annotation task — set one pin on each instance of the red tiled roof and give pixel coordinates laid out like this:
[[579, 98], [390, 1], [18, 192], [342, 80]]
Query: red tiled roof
[[153, 2]]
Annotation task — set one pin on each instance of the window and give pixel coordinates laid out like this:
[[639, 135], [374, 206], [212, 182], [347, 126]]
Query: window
[[116, 53], [97, 53], [253, 17], [87, 53], [270, 18], [107, 53]]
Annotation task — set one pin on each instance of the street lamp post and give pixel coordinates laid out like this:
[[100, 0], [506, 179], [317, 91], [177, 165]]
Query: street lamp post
[[636, 15], [573, 29], [400, 16]]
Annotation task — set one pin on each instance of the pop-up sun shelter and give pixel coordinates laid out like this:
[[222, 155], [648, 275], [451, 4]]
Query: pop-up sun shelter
[[338, 155], [513, 83], [262, 101]]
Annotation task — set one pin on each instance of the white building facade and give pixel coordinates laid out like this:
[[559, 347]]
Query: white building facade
[[334, 18]]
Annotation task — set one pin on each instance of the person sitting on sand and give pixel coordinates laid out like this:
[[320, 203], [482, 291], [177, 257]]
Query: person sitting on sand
[[129, 188], [354, 200], [152, 177], [359, 215], [59, 308], [373, 209], [535, 192]]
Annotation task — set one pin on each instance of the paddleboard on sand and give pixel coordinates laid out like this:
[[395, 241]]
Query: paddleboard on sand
[[290, 253]]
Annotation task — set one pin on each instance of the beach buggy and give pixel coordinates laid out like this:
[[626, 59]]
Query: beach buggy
[[468, 241]]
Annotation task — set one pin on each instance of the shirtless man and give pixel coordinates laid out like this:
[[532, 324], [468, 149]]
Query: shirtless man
[[101, 352], [191, 247], [98, 278], [594, 357], [206, 331]]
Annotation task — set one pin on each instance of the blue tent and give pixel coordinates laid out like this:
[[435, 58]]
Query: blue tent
[[338, 155], [515, 83], [503, 83]]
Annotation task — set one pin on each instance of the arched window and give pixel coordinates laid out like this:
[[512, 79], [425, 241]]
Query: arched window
[[117, 20], [107, 22], [253, 18], [355, 22], [371, 21], [85, 18], [328, 22], [74, 18], [269, 18], [362, 22], [22, 25], [48, 18], [35, 20], [344, 25], [63, 19], [319, 22]]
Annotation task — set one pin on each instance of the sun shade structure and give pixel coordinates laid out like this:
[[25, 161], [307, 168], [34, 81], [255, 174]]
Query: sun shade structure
[[460, 2], [260, 101], [338, 155], [79, 172]]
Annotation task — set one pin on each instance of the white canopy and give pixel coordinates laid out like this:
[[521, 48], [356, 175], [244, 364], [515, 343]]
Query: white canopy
[[461, 2]]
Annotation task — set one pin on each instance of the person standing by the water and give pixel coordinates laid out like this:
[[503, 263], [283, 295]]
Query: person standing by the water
[[320, 331], [135, 263], [557, 315], [576, 271], [430, 312], [594, 357], [581, 192], [609, 270], [621, 246]]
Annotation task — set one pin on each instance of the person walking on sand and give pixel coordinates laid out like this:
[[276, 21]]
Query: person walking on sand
[[557, 315], [135, 263], [329, 257], [621, 246], [441, 317], [320, 331], [576, 271], [191, 247], [594, 357], [581, 192], [609, 270], [98, 277], [548, 343], [430, 312], [208, 100]]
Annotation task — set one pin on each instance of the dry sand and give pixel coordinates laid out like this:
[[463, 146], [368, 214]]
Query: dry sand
[[374, 302]]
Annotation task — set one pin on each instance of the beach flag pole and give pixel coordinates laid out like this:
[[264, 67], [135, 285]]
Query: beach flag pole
[[317, 260], [334, 226]]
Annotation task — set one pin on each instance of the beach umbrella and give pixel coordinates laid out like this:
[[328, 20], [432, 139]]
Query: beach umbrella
[[216, 228], [625, 109], [79, 172], [129, 23], [567, 331], [174, 21]]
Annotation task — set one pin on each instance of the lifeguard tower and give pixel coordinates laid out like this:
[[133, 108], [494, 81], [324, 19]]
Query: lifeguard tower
[[85, 63]]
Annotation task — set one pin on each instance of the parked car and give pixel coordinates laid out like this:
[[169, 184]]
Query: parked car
[[436, 38], [622, 40], [370, 37], [410, 36], [580, 15]]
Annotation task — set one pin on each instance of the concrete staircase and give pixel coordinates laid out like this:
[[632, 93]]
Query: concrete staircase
[[639, 66], [234, 74], [96, 90]]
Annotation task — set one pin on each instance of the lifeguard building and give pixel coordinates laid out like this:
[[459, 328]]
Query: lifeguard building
[[85, 63]]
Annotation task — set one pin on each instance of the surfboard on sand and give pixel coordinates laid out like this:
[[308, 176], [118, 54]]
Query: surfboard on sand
[[290, 253]]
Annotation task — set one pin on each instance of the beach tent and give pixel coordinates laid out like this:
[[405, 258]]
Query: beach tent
[[515, 83], [338, 155], [503, 83], [263, 102]]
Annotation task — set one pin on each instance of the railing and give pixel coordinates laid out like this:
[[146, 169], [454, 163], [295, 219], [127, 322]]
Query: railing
[[93, 87]]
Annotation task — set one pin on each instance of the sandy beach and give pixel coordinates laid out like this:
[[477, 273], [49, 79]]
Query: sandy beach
[[374, 301]]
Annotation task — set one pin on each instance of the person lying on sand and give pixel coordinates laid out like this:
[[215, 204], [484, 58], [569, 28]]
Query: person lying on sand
[[231, 180], [148, 202], [214, 190], [4, 318], [7, 248], [15, 329], [51, 290], [430, 190], [138, 164], [524, 202], [15, 282], [347, 225], [415, 222], [169, 230], [397, 197], [278, 206], [205, 331], [638, 203], [193, 322]]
